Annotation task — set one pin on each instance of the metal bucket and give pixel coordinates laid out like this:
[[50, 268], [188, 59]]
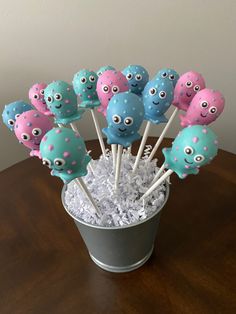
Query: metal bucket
[[120, 249]]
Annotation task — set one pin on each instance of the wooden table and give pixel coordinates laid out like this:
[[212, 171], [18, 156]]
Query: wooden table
[[45, 267]]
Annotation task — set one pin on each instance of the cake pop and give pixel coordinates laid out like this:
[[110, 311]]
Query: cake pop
[[36, 96], [105, 68], [194, 147], [157, 98], [30, 127], [12, 111], [84, 83], [64, 152], [125, 114], [109, 84], [204, 108], [186, 88], [62, 102], [168, 74], [137, 77]]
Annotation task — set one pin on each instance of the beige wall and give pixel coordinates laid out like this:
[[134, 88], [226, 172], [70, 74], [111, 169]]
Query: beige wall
[[46, 39]]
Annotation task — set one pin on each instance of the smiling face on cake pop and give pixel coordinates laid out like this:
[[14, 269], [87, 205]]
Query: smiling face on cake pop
[[109, 84], [125, 114], [186, 88], [137, 77], [168, 74], [84, 83], [194, 147], [105, 68], [12, 111], [204, 108], [157, 98], [30, 127], [36, 96], [64, 152], [62, 102]]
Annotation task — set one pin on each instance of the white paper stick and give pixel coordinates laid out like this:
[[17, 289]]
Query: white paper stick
[[155, 148], [84, 188], [99, 132], [158, 174], [114, 154], [141, 147], [118, 164], [157, 183], [60, 125], [129, 150]]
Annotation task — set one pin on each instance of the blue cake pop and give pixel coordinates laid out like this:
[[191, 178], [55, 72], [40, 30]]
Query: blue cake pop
[[194, 147], [169, 74], [137, 77], [62, 102], [105, 68], [157, 98], [85, 84], [64, 152], [12, 111], [125, 115]]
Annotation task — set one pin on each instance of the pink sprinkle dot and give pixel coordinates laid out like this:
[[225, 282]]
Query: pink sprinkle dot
[[44, 138], [68, 111], [205, 148], [89, 96], [184, 175], [204, 131], [175, 159], [77, 135], [177, 148], [66, 154], [69, 171], [67, 101], [187, 166], [216, 142], [67, 139], [68, 88], [74, 162], [50, 147], [83, 90], [58, 131], [167, 165], [195, 139]]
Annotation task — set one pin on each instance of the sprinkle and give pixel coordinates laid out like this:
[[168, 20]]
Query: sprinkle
[[187, 166], [215, 142], [67, 101], [58, 131], [50, 147], [204, 131], [66, 154], [29, 124], [36, 115], [69, 171], [44, 138], [67, 139], [184, 175], [195, 139], [74, 162], [205, 148]]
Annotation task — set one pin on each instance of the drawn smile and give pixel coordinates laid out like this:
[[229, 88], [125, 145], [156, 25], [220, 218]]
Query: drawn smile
[[134, 85], [188, 94], [203, 115], [188, 161], [122, 130], [58, 106], [89, 87], [155, 103]]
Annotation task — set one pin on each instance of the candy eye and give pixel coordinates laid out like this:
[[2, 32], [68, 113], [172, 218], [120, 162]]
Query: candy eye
[[115, 89], [196, 88], [116, 119], [25, 137], [36, 96], [138, 77], [198, 158], [59, 162], [164, 74], [128, 121], [204, 104], [105, 89], [171, 77], [36, 131], [129, 76], [42, 92], [213, 110], [188, 150], [83, 80], [162, 94], [152, 91], [92, 78], [49, 99], [11, 122], [17, 115], [58, 96], [46, 162], [189, 84]]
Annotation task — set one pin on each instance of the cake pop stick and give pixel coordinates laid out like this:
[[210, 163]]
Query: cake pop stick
[[193, 148], [64, 152], [137, 77], [157, 98], [12, 111], [159, 172], [84, 83], [114, 153], [36, 96], [30, 128], [186, 87], [125, 114]]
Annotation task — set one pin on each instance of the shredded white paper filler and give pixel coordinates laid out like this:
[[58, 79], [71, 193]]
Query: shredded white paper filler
[[122, 207]]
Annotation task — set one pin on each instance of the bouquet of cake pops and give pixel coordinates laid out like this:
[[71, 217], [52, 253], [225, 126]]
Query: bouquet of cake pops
[[119, 188]]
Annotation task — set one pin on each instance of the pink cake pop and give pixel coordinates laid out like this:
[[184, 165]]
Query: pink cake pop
[[30, 127], [36, 96], [110, 83], [186, 88], [204, 108]]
